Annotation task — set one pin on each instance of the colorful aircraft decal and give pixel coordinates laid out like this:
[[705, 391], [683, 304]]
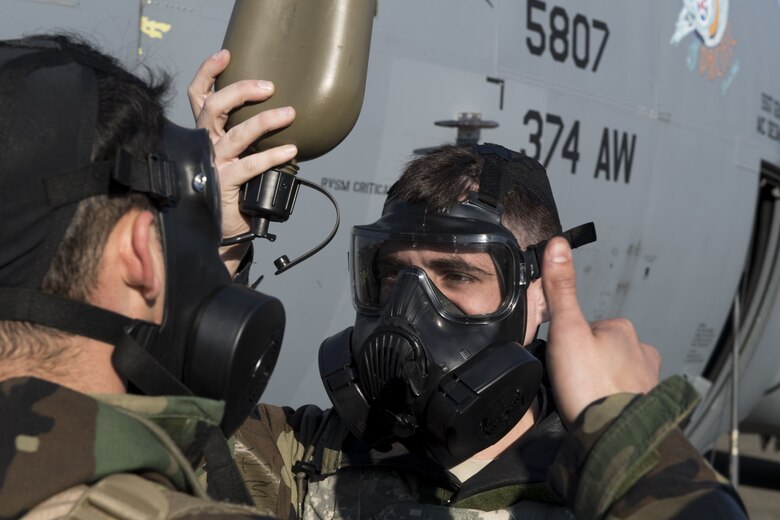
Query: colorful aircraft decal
[[713, 51]]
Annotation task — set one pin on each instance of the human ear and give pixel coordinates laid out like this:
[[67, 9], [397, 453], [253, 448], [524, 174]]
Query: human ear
[[536, 310], [143, 258], [537, 303]]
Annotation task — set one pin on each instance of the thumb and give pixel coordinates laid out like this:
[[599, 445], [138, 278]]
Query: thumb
[[560, 288]]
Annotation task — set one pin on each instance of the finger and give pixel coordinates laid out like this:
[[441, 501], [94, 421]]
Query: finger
[[255, 164], [201, 84], [242, 135], [560, 287], [218, 105]]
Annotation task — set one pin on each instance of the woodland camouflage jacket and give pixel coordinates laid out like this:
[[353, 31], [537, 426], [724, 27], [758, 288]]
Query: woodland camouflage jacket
[[67, 454], [624, 458]]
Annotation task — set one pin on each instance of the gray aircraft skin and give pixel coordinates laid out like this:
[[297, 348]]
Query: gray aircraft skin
[[659, 121]]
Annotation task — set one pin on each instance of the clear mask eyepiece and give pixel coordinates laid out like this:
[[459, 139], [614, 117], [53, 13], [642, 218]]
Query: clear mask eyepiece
[[469, 277]]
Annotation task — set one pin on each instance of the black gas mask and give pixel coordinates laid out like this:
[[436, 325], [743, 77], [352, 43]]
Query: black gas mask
[[217, 340], [434, 358]]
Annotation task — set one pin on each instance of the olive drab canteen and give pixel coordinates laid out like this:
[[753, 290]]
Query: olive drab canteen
[[316, 54]]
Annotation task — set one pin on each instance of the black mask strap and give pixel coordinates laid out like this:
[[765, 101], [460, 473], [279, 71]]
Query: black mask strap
[[141, 368], [223, 479], [576, 237], [492, 186], [60, 313], [156, 177], [130, 359]]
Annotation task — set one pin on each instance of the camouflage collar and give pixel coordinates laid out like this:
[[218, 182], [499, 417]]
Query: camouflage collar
[[60, 438], [178, 415]]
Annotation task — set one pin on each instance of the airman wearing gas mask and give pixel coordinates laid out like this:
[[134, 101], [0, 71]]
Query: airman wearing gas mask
[[444, 404], [111, 283]]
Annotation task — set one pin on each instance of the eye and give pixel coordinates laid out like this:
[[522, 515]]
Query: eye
[[388, 274], [458, 278]]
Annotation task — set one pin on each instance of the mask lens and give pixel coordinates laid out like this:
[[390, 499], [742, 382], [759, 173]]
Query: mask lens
[[467, 277]]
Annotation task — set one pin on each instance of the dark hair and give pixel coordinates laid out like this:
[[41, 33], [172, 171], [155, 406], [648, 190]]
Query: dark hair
[[130, 115], [449, 172]]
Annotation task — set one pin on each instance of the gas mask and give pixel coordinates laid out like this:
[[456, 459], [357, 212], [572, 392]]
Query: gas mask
[[434, 359], [217, 340], [220, 339]]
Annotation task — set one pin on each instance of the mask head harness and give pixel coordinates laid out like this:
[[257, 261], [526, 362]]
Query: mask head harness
[[426, 363], [217, 340]]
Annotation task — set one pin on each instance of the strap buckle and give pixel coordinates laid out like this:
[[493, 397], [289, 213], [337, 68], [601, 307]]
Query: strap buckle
[[156, 176], [163, 181], [576, 237]]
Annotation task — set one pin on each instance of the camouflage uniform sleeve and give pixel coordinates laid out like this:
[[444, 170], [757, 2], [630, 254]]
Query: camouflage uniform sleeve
[[268, 445], [627, 458]]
